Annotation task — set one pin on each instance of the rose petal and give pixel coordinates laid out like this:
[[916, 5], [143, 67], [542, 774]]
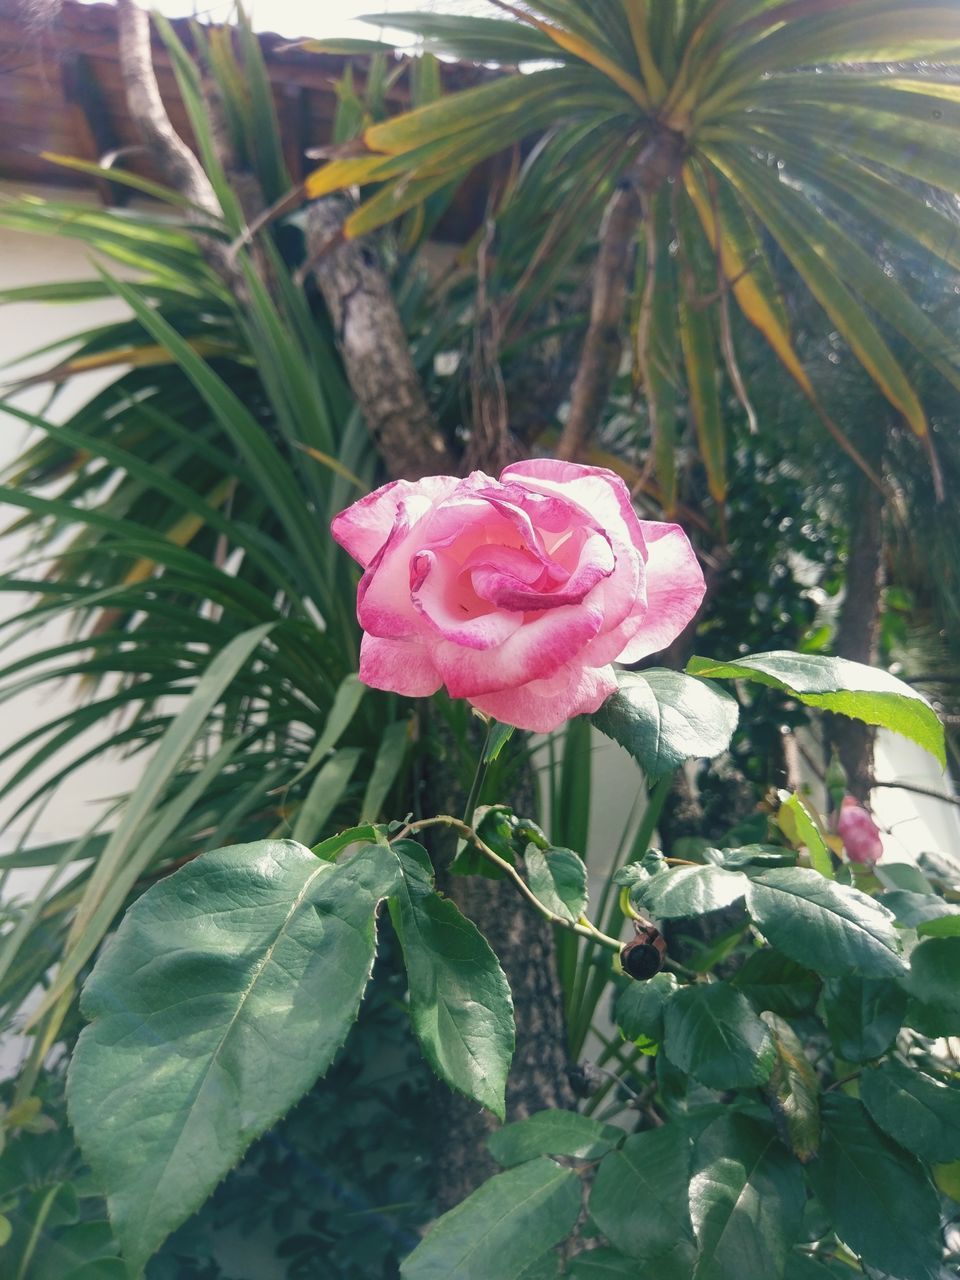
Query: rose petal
[[598, 491], [675, 588], [399, 666], [497, 582], [365, 526], [544, 705], [622, 599], [448, 603], [539, 648]]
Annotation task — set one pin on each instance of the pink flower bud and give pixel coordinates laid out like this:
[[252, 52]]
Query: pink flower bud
[[858, 831]]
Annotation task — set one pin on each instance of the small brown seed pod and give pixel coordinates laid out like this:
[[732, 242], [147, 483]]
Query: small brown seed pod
[[644, 956]]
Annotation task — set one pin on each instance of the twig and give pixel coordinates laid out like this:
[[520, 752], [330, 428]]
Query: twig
[[920, 791]]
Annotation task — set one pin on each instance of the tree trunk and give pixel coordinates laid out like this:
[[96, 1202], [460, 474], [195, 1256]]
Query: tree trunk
[[859, 627]]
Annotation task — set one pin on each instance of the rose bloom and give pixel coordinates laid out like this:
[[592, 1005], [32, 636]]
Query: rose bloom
[[859, 833], [516, 593]]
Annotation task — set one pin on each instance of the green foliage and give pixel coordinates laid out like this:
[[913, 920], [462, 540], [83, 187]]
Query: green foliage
[[766, 158], [460, 1003], [858, 1177], [835, 684], [552, 1133], [664, 718], [558, 877], [713, 1034], [268, 950], [503, 1227]]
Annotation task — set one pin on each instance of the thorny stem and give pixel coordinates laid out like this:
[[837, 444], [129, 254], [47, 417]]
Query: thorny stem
[[583, 927]]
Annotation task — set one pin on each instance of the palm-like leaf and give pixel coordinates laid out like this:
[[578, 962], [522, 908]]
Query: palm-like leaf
[[716, 101], [178, 524]]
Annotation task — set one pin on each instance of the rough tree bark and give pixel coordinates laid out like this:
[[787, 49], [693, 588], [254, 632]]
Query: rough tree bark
[[373, 346]]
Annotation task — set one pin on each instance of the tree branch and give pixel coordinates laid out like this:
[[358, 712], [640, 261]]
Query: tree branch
[[176, 161], [373, 345], [601, 346]]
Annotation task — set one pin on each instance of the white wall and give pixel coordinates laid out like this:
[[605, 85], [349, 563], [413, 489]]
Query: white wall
[[29, 260]]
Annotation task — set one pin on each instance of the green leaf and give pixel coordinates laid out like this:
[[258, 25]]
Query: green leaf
[[640, 1007], [846, 688], [504, 1226], [746, 1201], [226, 991], [793, 1092], [558, 877], [639, 1201], [915, 1109], [879, 1198], [712, 1032], [751, 855], [386, 766], [832, 928], [925, 912], [689, 891], [500, 735], [664, 718], [460, 1003], [863, 1016], [326, 792], [128, 853], [602, 1264], [934, 984], [552, 1133], [771, 980], [699, 347], [798, 825]]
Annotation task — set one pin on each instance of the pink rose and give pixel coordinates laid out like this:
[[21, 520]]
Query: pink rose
[[516, 594], [859, 833]]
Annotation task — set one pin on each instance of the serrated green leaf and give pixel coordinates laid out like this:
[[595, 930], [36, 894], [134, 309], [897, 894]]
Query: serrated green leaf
[[772, 981], [558, 877], [664, 718], [751, 855], [863, 1016], [793, 1092], [460, 1003], [639, 1201], [226, 991], [934, 984], [879, 1198], [712, 1032], [835, 684], [640, 1007], [915, 1109], [832, 928], [689, 891], [504, 1226], [925, 912], [552, 1133], [746, 1201]]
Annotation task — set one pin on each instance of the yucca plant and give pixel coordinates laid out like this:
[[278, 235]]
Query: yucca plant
[[178, 524], [715, 131]]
